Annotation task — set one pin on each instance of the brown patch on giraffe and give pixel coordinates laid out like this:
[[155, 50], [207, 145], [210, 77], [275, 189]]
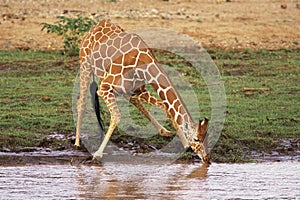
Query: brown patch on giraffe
[[116, 69], [103, 39], [118, 60], [147, 76], [102, 50], [117, 80], [126, 39], [172, 112], [127, 47], [130, 58], [128, 72], [152, 70], [176, 105], [106, 30], [145, 59], [117, 42], [98, 62], [109, 79], [109, 42], [82, 54], [85, 43], [135, 40], [111, 50], [152, 101], [163, 82], [98, 72], [171, 96], [97, 36], [161, 94], [179, 120], [128, 84], [106, 63]]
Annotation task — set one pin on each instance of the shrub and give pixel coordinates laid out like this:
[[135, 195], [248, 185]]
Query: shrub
[[71, 29]]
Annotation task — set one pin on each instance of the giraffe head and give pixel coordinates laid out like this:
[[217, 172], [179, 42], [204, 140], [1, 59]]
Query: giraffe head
[[198, 144]]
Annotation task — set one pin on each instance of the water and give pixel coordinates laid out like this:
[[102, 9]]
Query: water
[[112, 180]]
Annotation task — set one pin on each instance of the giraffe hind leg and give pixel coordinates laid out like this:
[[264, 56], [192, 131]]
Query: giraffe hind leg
[[84, 83], [146, 97], [110, 101]]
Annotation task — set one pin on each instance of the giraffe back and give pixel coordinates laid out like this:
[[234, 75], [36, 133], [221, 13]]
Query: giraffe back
[[116, 57]]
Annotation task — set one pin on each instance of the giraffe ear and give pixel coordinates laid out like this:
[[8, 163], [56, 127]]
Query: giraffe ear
[[202, 128]]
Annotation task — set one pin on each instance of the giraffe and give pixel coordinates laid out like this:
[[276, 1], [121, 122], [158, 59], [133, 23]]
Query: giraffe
[[124, 64]]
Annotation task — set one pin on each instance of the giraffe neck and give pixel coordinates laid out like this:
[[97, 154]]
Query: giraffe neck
[[177, 110]]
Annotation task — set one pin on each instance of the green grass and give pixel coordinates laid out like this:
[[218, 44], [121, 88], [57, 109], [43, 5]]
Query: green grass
[[36, 97]]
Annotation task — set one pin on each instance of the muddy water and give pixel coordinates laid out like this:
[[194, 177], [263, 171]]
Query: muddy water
[[112, 180]]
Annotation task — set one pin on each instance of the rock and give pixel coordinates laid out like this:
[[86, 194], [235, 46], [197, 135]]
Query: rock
[[248, 94], [283, 6], [165, 15], [46, 99], [154, 11]]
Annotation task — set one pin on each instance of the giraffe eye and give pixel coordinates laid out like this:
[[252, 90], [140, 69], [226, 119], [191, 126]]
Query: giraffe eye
[[196, 140]]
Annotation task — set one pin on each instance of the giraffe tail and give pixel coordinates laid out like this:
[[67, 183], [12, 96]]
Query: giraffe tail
[[96, 104]]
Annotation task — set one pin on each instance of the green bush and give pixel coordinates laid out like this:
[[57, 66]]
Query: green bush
[[71, 29]]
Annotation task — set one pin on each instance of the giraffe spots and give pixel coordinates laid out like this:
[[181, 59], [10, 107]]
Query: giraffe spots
[[109, 79], [102, 50], [164, 83], [109, 42], [135, 41], [106, 30], [117, 79], [146, 59], [98, 62], [103, 39], [125, 38], [172, 111], [161, 94], [117, 42], [176, 104], [98, 72], [126, 48], [116, 69], [179, 119], [171, 96], [118, 59], [111, 50], [96, 55], [128, 85], [85, 43], [106, 63], [98, 36], [147, 76], [130, 58]]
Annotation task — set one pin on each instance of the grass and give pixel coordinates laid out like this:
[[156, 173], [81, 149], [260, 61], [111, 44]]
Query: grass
[[36, 97]]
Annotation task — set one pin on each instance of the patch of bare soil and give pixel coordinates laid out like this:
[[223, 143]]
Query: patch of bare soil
[[228, 24]]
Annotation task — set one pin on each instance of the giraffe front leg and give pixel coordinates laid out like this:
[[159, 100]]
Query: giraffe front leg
[[146, 97], [110, 101]]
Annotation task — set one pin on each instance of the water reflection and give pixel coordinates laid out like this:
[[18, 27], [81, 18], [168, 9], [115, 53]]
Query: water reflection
[[136, 181], [113, 180]]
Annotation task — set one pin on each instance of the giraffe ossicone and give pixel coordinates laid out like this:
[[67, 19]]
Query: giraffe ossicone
[[124, 64]]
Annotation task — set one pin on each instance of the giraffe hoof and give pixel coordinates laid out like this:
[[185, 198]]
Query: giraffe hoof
[[97, 156], [90, 161], [164, 132]]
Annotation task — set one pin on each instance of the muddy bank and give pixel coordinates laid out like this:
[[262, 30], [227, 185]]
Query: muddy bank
[[284, 150]]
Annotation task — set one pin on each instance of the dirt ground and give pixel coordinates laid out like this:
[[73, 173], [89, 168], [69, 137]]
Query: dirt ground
[[228, 24]]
